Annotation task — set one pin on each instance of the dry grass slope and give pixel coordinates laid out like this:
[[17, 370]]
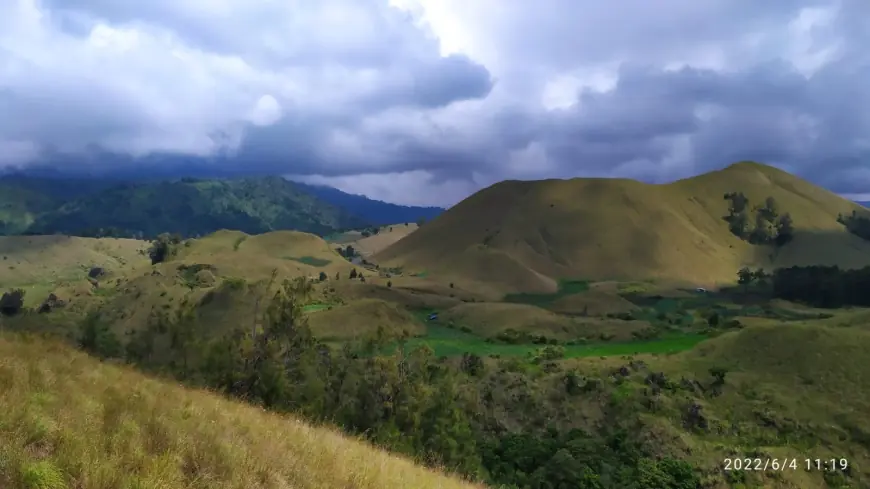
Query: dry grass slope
[[68, 421], [362, 317], [386, 236], [518, 236], [254, 257]]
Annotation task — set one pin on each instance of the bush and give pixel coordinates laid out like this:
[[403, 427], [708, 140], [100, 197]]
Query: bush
[[12, 302], [98, 339], [164, 247], [389, 283]]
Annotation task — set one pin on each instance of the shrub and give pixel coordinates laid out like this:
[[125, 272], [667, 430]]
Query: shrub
[[12, 302]]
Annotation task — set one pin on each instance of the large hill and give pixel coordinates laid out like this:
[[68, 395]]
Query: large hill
[[526, 235], [100, 206]]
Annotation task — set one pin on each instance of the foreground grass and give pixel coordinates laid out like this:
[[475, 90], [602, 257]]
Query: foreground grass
[[450, 342], [68, 421]]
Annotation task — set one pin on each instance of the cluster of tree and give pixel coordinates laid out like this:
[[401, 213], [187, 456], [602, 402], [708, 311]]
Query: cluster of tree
[[823, 286], [405, 400], [12, 302], [164, 247], [371, 231], [348, 252], [765, 226], [817, 286], [857, 224]]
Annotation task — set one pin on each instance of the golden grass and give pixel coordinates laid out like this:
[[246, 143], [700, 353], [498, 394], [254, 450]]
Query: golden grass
[[351, 290], [39, 264], [68, 421], [253, 257], [518, 235], [386, 236], [362, 317]]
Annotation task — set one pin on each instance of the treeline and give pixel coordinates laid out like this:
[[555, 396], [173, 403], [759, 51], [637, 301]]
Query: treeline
[[438, 412], [762, 224], [818, 286], [857, 224]]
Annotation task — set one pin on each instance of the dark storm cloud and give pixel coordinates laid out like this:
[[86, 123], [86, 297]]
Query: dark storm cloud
[[341, 88]]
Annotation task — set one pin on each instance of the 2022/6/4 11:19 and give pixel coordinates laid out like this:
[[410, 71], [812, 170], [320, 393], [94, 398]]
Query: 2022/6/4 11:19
[[777, 464]]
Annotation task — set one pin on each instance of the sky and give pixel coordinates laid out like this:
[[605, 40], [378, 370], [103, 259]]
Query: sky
[[423, 102]]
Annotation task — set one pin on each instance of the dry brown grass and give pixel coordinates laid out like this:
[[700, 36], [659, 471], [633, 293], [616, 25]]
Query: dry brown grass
[[362, 317], [253, 257], [386, 236], [519, 235], [43, 264], [68, 421]]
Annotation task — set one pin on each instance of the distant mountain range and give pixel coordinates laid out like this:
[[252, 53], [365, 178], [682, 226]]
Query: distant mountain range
[[188, 206], [373, 211]]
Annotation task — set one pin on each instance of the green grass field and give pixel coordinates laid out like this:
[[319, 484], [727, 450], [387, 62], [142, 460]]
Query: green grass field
[[566, 287], [309, 260], [452, 342], [315, 307]]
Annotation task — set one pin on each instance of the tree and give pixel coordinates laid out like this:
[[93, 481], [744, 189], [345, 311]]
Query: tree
[[784, 229], [745, 276], [353, 273], [163, 247], [770, 209], [389, 283], [738, 224], [713, 320], [97, 338], [739, 202], [322, 276], [12, 302]]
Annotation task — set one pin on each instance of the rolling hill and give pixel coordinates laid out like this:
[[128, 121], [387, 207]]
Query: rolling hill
[[527, 235]]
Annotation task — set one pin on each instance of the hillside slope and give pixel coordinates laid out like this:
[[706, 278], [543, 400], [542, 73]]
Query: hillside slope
[[188, 207], [527, 235], [71, 421], [373, 211]]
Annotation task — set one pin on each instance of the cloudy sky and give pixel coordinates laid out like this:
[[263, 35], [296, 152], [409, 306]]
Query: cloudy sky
[[425, 101]]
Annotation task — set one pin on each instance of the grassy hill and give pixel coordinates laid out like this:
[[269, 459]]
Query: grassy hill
[[569, 347], [524, 236], [67, 420]]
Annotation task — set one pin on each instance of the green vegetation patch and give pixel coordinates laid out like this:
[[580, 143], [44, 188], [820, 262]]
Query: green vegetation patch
[[309, 260], [566, 287], [315, 307], [451, 342]]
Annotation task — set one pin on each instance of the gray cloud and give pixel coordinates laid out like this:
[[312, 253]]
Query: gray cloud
[[363, 95]]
